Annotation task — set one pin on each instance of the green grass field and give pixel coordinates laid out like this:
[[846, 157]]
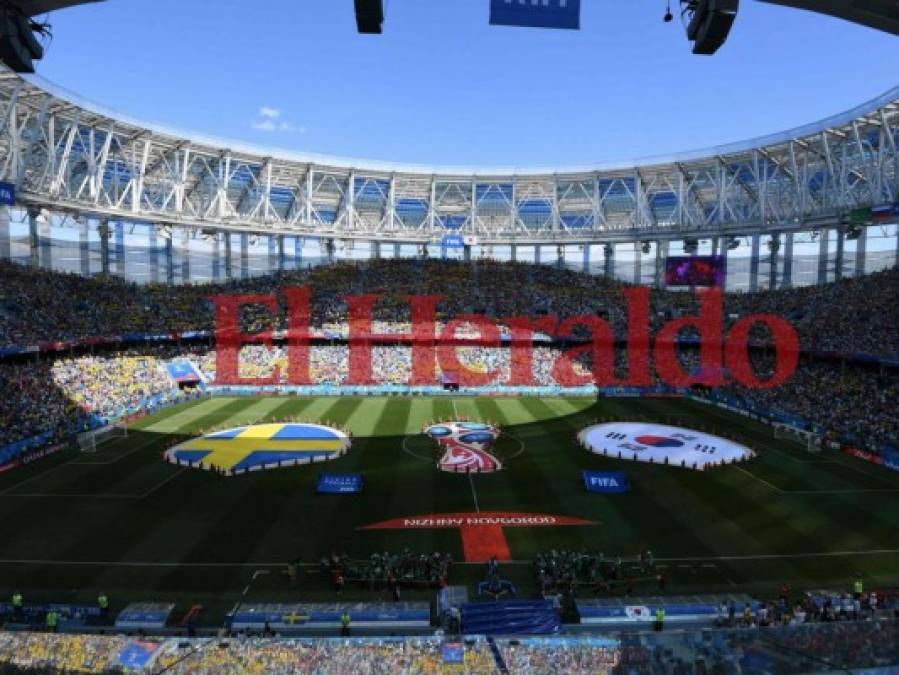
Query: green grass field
[[123, 521]]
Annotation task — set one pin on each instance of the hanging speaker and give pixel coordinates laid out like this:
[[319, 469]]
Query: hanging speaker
[[369, 16]]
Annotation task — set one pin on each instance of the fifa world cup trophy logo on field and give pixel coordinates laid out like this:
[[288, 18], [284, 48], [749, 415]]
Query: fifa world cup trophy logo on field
[[465, 446]]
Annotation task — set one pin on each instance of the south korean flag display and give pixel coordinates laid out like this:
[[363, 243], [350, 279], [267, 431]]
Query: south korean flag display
[[661, 444]]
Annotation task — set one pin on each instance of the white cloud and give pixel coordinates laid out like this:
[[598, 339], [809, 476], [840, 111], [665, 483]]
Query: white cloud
[[265, 125], [269, 120]]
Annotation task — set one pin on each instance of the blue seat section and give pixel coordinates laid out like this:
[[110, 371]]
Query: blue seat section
[[303, 431], [190, 455], [263, 457], [515, 617], [145, 615], [698, 609]]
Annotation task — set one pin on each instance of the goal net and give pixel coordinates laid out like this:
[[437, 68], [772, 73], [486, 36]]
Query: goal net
[[810, 440], [90, 440]]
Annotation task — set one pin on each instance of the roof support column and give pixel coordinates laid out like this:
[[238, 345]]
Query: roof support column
[[41, 246], [84, 250], [775, 252], [860, 246], [244, 255], [152, 246], [228, 262], [103, 231], [376, 250], [185, 255], [536, 254], [513, 252], [4, 233], [661, 256], [120, 248], [272, 253], [788, 261], [586, 247], [298, 252], [217, 256], [754, 262], [609, 260], [841, 247], [823, 245], [5, 247], [638, 263], [168, 255], [280, 252]]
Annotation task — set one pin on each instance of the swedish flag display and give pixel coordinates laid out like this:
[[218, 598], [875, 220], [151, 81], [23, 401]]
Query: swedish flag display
[[261, 446]]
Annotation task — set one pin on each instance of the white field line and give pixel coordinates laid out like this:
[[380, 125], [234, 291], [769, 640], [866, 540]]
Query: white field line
[[722, 558]]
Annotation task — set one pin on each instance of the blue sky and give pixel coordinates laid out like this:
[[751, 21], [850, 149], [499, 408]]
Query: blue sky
[[441, 86]]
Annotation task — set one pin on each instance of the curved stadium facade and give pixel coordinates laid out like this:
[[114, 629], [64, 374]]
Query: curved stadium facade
[[97, 192]]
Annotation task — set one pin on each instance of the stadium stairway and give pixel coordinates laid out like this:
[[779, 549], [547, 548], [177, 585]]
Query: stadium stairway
[[498, 657], [515, 617]]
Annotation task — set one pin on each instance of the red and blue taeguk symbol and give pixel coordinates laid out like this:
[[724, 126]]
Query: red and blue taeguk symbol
[[659, 441]]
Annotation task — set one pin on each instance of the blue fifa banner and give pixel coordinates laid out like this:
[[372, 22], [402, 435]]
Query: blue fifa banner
[[453, 241], [137, 655], [183, 372], [536, 13], [606, 482], [339, 483], [453, 652], [7, 194]]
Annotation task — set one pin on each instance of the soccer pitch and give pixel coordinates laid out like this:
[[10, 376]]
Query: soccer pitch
[[123, 521]]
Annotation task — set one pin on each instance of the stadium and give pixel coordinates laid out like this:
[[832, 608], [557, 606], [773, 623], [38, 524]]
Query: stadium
[[271, 411]]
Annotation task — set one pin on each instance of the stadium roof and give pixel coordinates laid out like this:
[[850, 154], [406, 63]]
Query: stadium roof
[[880, 14], [35, 7], [68, 155], [835, 122]]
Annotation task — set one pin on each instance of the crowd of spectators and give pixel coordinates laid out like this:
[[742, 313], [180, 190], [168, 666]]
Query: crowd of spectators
[[821, 647], [42, 653], [59, 392], [36, 306], [853, 404]]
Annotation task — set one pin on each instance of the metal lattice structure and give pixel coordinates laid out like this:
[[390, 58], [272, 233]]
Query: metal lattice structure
[[68, 156]]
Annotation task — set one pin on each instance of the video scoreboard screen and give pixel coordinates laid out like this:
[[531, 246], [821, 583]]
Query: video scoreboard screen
[[698, 270]]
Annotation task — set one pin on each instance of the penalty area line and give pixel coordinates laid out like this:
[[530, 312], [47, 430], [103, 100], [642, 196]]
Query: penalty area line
[[760, 480]]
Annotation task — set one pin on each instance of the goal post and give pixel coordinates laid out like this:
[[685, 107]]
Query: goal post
[[809, 439], [89, 441]]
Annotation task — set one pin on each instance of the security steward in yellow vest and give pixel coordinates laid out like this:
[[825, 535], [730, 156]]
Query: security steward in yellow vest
[[660, 618], [52, 621]]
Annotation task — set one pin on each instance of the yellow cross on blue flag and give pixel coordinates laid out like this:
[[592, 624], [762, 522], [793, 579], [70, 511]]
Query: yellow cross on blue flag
[[261, 446]]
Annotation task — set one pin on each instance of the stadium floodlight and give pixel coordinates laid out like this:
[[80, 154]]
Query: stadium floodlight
[[708, 23], [733, 243]]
